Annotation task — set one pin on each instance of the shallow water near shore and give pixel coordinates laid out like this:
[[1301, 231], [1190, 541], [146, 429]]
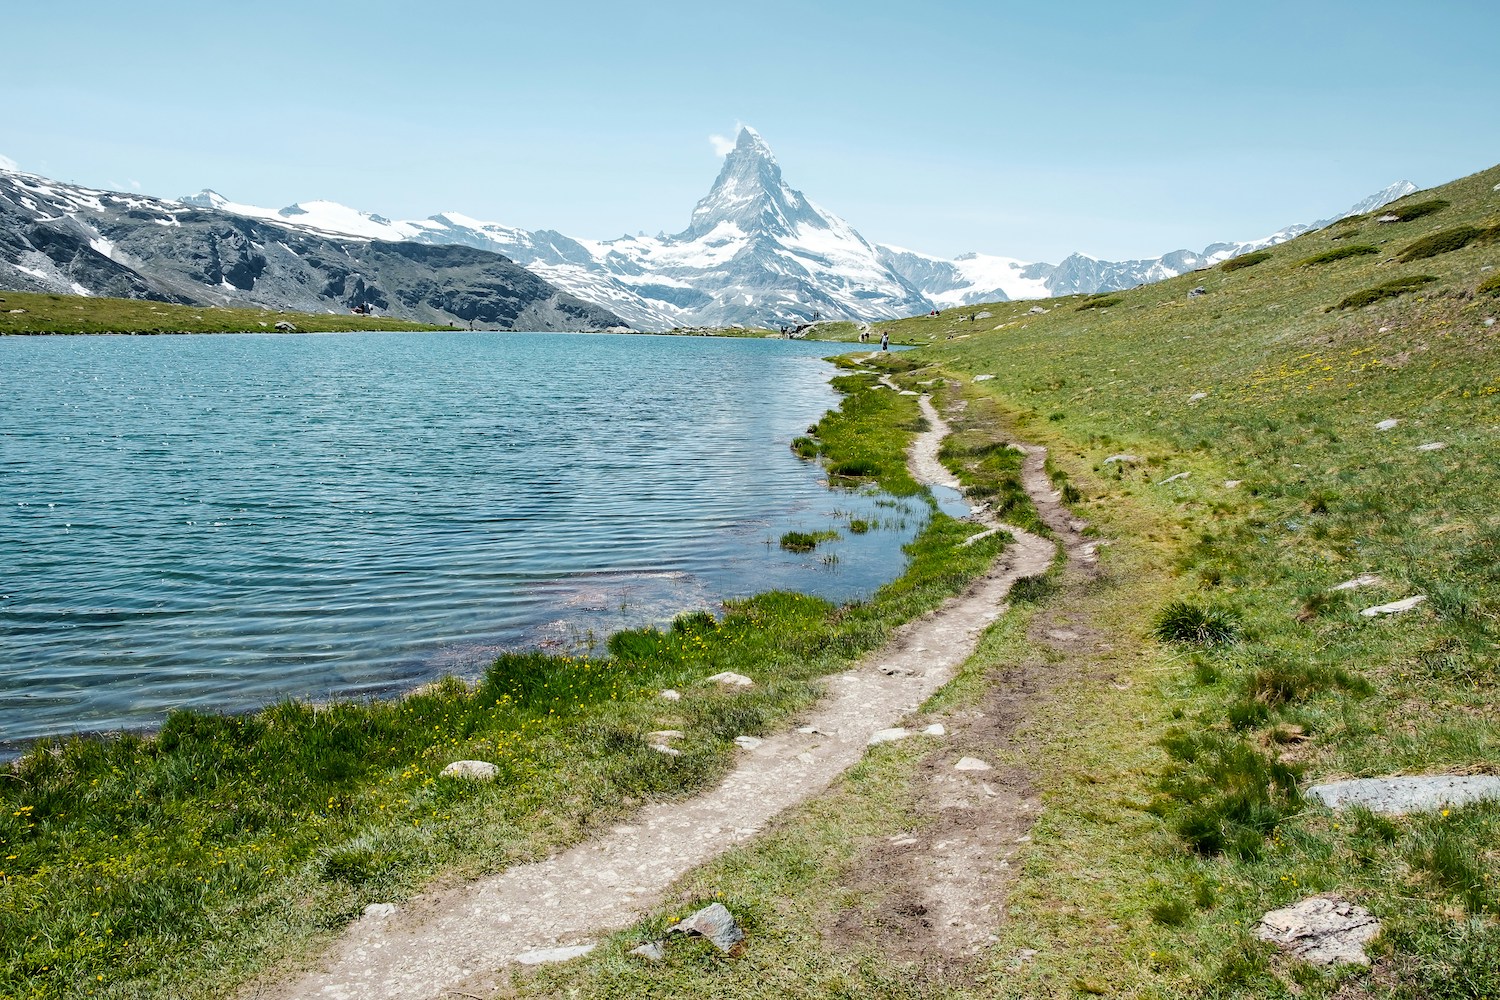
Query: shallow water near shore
[[221, 522]]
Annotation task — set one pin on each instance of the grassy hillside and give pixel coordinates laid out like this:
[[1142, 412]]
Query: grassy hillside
[[27, 312], [1214, 669]]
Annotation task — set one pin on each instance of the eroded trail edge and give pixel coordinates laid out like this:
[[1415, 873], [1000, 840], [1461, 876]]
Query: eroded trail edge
[[452, 938]]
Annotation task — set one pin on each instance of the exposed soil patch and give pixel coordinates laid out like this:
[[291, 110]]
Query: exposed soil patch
[[935, 895]]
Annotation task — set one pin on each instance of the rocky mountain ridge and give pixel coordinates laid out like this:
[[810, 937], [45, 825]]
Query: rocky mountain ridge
[[57, 237]]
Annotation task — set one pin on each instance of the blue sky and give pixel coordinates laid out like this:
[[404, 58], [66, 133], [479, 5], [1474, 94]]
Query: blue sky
[[1027, 129]]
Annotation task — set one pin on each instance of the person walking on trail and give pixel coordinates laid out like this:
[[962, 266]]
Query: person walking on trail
[[885, 340]]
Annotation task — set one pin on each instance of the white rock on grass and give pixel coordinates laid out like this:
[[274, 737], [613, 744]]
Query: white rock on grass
[[983, 378], [730, 679], [669, 695], [1386, 425], [1195, 397], [1122, 457], [936, 729], [1321, 930], [663, 735], [1173, 479], [1432, 446], [1395, 607], [474, 770], [971, 764], [543, 956], [714, 922], [888, 736], [1363, 580], [651, 951], [1407, 794], [665, 750], [1230, 484]]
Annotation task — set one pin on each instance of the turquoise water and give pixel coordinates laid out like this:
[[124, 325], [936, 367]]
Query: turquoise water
[[223, 521]]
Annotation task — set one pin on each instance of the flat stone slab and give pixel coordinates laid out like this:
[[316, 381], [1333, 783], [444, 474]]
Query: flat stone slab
[[543, 956], [1122, 457], [1408, 794], [1173, 479], [1321, 930], [1363, 580], [1395, 607], [888, 736], [971, 764]]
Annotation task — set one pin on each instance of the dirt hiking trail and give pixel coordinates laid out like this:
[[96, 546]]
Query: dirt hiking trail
[[454, 940]]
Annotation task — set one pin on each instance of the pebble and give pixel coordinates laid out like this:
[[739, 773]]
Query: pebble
[[731, 679], [1363, 580], [1122, 457], [1386, 425], [379, 911], [662, 748], [971, 764], [936, 729], [888, 736], [1173, 479], [1432, 446], [670, 695], [747, 742]]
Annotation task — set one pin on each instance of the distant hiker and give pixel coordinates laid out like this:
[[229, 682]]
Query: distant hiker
[[885, 340]]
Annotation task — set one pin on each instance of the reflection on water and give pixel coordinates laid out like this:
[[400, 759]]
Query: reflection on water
[[223, 521]]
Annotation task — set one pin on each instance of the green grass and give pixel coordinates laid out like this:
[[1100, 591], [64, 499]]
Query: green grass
[[1449, 240], [42, 313], [806, 541], [1408, 213]]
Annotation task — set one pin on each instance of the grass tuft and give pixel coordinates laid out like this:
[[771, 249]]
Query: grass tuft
[[1181, 621]]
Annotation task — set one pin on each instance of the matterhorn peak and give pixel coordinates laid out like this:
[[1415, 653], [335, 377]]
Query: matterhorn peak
[[750, 195]]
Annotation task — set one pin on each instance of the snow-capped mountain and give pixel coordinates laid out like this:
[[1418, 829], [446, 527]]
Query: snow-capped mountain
[[974, 278], [758, 252]]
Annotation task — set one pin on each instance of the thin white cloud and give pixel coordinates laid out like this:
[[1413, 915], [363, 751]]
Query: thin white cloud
[[135, 185], [6, 163], [722, 146]]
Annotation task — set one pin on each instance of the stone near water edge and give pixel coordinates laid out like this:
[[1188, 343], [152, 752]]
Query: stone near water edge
[[544, 956], [1363, 580], [1386, 425], [730, 679], [888, 736], [1321, 930], [747, 742], [473, 770], [651, 951], [1407, 794], [983, 378], [1432, 446], [1395, 607], [1122, 457], [936, 729], [714, 922], [971, 764], [1173, 479], [669, 695], [286, 327], [379, 911]]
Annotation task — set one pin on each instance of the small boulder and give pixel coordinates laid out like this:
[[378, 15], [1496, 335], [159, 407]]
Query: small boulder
[[1124, 457], [1395, 607], [1173, 479], [379, 911], [1363, 580], [1388, 218], [714, 922], [1197, 292], [473, 770], [1035, 311], [888, 736], [983, 315], [983, 378], [1386, 425], [1230, 484], [936, 729], [286, 327], [730, 679], [669, 695], [747, 742], [665, 750], [1195, 397], [1432, 446], [971, 764], [1321, 930], [651, 951]]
